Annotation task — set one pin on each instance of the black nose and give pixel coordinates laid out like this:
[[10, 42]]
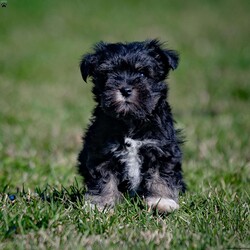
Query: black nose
[[126, 91]]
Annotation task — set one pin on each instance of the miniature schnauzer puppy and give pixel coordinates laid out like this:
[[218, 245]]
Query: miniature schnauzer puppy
[[131, 145]]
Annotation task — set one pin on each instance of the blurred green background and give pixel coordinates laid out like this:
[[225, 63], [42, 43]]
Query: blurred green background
[[45, 105]]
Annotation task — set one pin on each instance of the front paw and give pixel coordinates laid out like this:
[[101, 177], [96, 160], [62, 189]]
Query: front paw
[[101, 202], [162, 205]]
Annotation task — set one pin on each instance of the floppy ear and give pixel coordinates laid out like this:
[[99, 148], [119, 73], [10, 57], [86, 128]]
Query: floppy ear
[[172, 57], [87, 65], [90, 61]]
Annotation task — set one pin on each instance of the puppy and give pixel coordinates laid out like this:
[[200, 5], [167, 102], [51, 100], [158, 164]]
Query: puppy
[[131, 145]]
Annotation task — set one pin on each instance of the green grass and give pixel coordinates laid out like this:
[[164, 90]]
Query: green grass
[[44, 107]]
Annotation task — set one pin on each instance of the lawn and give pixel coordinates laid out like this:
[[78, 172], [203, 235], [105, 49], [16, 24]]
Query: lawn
[[45, 107]]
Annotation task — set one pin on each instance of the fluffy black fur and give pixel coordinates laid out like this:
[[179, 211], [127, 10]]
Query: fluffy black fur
[[131, 145]]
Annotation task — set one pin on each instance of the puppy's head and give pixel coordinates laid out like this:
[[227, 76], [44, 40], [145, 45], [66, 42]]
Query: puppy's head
[[128, 78]]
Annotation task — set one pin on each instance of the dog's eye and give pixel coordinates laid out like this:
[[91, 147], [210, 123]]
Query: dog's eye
[[142, 72]]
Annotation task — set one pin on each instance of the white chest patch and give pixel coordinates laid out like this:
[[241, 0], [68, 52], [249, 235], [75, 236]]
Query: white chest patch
[[132, 160], [133, 163]]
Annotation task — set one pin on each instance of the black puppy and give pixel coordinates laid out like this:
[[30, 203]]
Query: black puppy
[[131, 145]]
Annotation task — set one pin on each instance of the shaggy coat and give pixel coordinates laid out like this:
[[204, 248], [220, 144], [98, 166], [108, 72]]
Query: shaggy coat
[[131, 145]]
